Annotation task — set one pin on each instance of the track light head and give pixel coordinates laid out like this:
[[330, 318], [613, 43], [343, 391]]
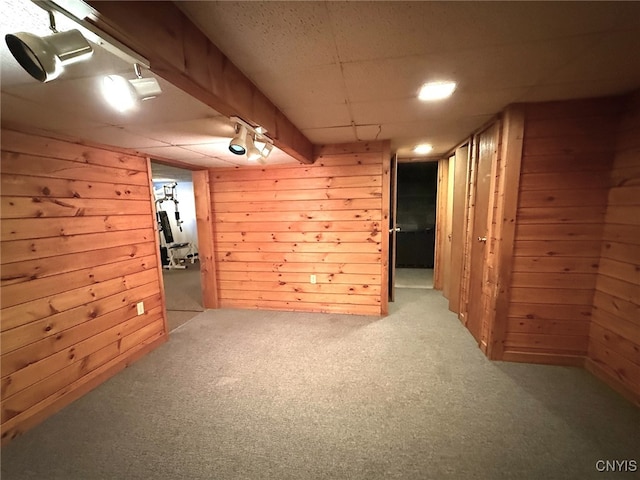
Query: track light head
[[123, 94], [253, 153], [44, 57], [238, 144]]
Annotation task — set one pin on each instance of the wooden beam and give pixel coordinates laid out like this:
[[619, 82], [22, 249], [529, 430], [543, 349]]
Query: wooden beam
[[181, 54], [204, 220]]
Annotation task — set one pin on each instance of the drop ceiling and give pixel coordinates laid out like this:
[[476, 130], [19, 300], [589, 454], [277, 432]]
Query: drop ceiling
[[346, 71]]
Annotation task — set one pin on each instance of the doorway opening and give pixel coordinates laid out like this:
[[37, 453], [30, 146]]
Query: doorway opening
[[416, 221], [178, 239]]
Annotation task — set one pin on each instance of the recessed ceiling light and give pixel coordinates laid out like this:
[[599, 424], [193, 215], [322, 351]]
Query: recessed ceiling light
[[423, 149], [436, 90]]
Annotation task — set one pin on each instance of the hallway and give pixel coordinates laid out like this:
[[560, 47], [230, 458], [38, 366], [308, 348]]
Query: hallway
[[278, 395]]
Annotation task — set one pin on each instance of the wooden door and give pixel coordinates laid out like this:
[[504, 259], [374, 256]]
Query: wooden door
[[460, 183], [448, 231], [393, 228], [486, 155]]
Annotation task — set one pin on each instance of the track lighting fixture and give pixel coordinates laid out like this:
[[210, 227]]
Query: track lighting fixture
[[44, 58], [251, 141], [123, 94], [238, 144]]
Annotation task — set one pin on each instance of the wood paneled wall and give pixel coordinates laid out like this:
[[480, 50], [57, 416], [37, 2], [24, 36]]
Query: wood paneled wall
[[276, 226], [567, 152], [614, 340], [78, 251]]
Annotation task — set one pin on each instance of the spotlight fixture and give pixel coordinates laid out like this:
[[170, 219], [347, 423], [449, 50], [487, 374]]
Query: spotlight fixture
[[238, 144], [123, 94], [423, 149], [253, 153], [251, 141], [44, 58], [436, 90]]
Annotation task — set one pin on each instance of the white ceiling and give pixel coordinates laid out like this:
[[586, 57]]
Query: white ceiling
[[347, 71]]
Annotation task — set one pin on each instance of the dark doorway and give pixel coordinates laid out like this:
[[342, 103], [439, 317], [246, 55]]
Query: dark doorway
[[416, 218]]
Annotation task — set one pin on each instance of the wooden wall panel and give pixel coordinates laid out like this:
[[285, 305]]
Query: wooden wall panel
[[567, 153], [614, 341], [274, 227], [78, 251]]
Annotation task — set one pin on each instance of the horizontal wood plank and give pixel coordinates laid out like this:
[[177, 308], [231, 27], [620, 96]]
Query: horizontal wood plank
[[299, 277], [66, 339], [301, 306], [25, 250], [299, 237], [25, 271], [296, 184], [320, 194], [546, 312], [22, 316], [553, 280], [310, 247], [557, 248], [219, 176], [39, 370], [24, 164], [299, 205], [30, 186], [18, 142], [45, 287], [299, 226], [43, 207], [556, 296], [19, 229], [286, 216], [564, 215], [300, 267]]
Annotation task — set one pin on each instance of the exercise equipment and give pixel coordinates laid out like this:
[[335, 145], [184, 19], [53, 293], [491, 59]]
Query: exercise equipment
[[174, 255]]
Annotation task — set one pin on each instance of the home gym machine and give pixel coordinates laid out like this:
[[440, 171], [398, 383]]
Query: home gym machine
[[174, 255]]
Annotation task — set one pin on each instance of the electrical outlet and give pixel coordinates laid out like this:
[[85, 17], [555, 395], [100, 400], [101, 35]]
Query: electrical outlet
[[312, 279], [140, 307]]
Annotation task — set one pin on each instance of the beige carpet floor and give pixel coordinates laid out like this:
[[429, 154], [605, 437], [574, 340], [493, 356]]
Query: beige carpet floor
[[183, 295], [251, 395]]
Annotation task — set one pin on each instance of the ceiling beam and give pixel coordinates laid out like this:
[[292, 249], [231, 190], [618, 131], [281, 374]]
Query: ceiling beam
[[181, 54]]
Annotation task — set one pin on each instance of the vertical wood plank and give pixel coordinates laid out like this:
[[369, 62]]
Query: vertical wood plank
[[204, 218], [460, 183], [511, 155]]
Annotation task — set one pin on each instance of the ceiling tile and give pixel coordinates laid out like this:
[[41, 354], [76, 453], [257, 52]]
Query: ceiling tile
[[607, 57], [322, 136], [188, 132], [474, 70], [319, 115], [297, 33], [314, 85], [460, 104], [369, 30], [173, 153], [19, 111], [443, 135]]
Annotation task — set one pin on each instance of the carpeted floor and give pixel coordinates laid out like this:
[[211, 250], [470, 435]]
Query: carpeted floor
[[414, 278], [272, 395], [183, 295]]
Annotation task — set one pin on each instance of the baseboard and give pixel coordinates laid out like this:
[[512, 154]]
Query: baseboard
[[543, 358], [40, 412], [602, 374]]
